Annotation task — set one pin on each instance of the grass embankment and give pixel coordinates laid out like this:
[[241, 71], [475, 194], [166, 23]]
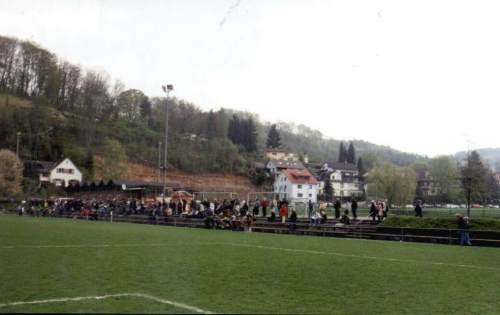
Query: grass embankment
[[226, 272], [439, 223]]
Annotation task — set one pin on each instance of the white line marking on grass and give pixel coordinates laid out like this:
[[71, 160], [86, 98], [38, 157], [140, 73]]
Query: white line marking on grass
[[316, 252], [102, 297], [85, 246]]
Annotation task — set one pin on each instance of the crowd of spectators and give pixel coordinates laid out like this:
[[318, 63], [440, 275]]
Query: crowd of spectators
[[231, 214], [225, 214]]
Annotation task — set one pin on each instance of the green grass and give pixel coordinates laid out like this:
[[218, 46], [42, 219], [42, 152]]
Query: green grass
[[230, 272]]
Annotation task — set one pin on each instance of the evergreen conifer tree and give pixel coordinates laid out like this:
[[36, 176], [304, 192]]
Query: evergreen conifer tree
[[273, 138], [361, 169], [211, 127], [351, 154], [328, 190], [342, 153]]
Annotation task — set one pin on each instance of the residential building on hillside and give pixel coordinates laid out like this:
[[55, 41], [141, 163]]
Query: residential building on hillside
[[276, 166], [63, 173], [280, 154], [345, 179], [496, 175], [425, 186], [296, 185]]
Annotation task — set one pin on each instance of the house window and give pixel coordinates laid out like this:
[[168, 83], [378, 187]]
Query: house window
[[299, 186], [310, 186], [310, 195], [299, 195], [58, 182], [65, 171]]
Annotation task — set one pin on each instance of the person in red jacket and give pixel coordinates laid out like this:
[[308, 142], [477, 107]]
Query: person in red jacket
[[283, 212]]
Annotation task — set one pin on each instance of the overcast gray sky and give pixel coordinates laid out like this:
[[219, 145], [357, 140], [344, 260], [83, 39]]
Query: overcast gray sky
[[420, 76]]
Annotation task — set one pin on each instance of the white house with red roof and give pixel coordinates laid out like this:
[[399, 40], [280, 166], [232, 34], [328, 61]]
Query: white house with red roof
[[296, 185]]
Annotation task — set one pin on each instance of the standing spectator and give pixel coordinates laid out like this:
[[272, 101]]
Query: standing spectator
[[20, 210], [283, 212], [386, 210], [418, 210], [244, 207], [463, 227], [256, 208], [337, 207], [264, 204], [311, 208], [248, 222], [179, 207], [354, 209], [293, 220], [381, 210], [373, 211]]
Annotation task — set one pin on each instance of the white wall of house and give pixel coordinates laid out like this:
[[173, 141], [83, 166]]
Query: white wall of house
[[64, 173], [290, 191], [342, 188]]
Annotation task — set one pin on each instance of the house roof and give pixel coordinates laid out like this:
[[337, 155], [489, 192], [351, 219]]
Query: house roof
[[342, 166], [300, 177], [41, 166], [276, 150], [46, 166], [259, 165], [422, 174], [287, 164]]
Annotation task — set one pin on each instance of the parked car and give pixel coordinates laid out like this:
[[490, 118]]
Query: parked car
[[409, 206], [476, 205], [451, 206]]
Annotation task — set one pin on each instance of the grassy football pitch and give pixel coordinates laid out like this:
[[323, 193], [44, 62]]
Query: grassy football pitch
[[62, 265]]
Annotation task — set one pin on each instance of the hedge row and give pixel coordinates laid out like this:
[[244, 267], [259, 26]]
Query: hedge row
[[440, 223]]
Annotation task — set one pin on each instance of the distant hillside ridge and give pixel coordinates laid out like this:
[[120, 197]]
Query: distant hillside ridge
[[489, 155]]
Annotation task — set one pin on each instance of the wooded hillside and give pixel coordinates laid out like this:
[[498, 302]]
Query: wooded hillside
[[61, 109]]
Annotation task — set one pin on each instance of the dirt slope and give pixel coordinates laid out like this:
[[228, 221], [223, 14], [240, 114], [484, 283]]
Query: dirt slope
[[200, 182]]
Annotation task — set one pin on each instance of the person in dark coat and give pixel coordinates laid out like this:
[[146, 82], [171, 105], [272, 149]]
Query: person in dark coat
[[256, 208], [354, 209], [293, 220], [337, 207], [463, 227], [373, 211], [311, 208], [418, 210], [272, 218]]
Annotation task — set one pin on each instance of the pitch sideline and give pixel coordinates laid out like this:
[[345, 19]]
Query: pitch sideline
[[316, 252], [261, 247], [102, 297]]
